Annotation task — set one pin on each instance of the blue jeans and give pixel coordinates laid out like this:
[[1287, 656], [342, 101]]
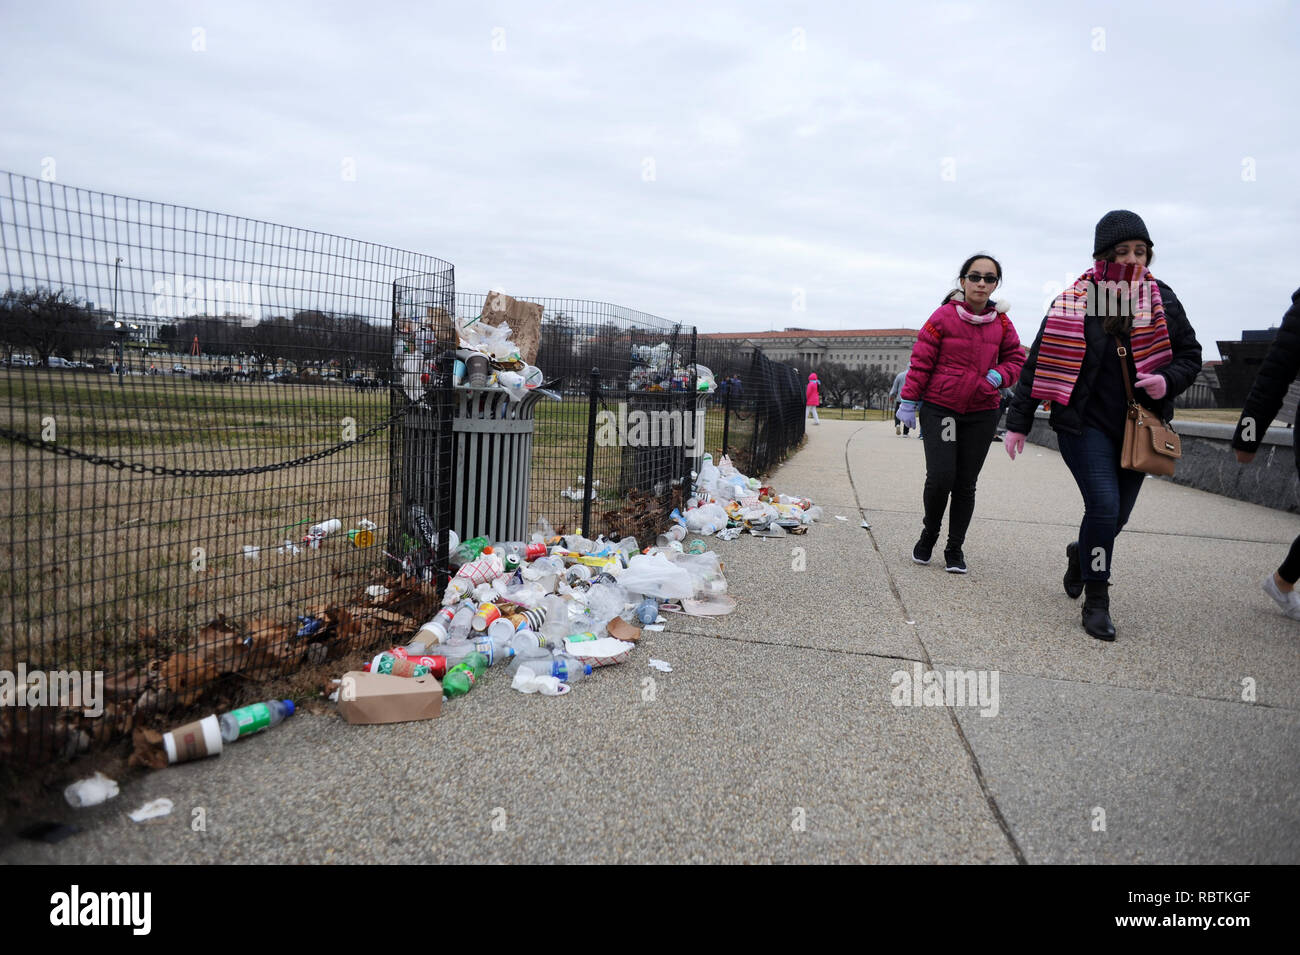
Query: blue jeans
[[1109, 493]]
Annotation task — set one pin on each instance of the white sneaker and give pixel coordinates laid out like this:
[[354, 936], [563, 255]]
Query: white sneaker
[[1289, 602]]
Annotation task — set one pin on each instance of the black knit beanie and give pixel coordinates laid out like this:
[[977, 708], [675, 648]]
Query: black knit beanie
[[1116, 227]]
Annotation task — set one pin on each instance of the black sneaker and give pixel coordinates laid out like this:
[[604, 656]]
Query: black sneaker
[[923, 549], [955, 561]]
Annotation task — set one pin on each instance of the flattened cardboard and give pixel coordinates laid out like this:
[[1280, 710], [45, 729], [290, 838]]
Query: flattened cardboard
[[524, 319], [381, 698], [620, 629]]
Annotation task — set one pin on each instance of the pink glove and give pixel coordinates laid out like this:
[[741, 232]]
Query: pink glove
[[1014, 442], [1155, 385]]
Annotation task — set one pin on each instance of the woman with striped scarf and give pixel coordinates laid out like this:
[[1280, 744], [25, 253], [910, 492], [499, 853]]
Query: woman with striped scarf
[[1117, 320]]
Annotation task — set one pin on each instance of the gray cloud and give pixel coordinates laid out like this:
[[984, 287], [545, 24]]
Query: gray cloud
[[792, 149]]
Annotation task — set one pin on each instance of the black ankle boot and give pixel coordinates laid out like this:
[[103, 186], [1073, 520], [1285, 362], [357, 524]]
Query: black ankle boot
[[1073, 575], [1096, 610]]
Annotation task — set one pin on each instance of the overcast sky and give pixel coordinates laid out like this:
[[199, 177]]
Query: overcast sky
[[715, 164]]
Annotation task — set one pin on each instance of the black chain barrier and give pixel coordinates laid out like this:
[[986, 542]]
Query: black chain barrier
[[137, 468]]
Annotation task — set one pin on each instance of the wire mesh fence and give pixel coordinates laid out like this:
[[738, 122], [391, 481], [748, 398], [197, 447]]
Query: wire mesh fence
[[220, 433], [195, 407], [610, 452], [758, 410]]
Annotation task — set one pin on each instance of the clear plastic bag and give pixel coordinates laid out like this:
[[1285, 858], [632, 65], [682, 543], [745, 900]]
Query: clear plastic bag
[[656, 576]]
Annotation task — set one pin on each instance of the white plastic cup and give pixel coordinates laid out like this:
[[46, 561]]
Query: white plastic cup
[[501, 627]]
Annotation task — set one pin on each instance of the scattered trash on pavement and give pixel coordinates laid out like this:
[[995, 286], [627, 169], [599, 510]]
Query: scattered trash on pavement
[[90, 791], [154, 809]]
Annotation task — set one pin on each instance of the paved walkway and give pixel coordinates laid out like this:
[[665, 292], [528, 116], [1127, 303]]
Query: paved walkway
[[775, 738]]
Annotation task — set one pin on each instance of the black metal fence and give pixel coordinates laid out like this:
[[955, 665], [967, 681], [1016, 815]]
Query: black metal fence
[[221, 434], [196, 466], [611, 452], [761, 405]]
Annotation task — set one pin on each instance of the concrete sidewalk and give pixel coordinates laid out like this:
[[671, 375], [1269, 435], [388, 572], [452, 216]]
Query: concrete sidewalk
[[775, 738]]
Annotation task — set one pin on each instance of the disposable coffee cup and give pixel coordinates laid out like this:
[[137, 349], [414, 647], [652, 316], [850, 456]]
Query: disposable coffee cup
[[476, 369], [193, 740], [501, 627]]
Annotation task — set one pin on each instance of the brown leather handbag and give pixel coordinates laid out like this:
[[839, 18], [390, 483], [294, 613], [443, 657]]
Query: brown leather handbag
[[1150, 445]]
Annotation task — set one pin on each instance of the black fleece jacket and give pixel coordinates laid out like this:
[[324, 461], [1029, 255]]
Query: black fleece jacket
[[1280, 366], [1179, 373]]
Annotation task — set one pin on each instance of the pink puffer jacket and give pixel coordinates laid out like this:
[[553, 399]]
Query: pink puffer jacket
[[952, 356], [813, 394]]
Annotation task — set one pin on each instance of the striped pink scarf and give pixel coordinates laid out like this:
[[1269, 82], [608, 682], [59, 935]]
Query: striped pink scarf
[[1097, 293]]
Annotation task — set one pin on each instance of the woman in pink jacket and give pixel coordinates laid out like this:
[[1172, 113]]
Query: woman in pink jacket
[[813, 398], [965, 352]]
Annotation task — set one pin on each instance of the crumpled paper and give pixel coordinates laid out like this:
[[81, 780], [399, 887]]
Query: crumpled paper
[[90, 791], [152, 810]]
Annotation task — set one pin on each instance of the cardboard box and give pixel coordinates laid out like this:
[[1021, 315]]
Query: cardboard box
[[380, 698], [524, 319]]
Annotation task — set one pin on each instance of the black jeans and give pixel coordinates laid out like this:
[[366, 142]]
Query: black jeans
[[955, 448], [1109, 493]]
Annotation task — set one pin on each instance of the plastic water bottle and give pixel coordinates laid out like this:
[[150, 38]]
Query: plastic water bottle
[[461, 678], [248, 720], [647, 611], [568, 669], [535, 658], [462, 621], [493, 649]]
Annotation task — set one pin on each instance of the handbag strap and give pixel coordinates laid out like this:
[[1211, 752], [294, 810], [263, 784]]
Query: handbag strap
[[1123, 366]]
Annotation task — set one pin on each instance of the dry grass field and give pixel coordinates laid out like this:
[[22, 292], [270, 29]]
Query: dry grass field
[[107, 569], [95, 557]]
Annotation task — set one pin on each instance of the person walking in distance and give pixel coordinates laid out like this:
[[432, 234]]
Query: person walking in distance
[[964, 353], [1280, 367], [896, 395], [1116, 322], [812, 398]]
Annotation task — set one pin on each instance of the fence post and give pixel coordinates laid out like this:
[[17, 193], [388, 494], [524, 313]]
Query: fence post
[[726, 417], [591, 452]]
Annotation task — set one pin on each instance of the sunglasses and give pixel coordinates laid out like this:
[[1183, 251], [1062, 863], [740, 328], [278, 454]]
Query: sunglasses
[[989, 278]]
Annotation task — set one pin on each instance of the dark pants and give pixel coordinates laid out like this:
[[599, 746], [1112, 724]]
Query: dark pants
[[896, 421], [1290, 569], [955, 448], [1109, 493]]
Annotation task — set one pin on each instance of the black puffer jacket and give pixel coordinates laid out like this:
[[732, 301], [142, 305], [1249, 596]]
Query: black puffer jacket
[[1280, 366], [1179, 373]]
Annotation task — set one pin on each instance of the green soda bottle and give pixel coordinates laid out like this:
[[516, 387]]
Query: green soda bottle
[[472, 548], [461, 678]]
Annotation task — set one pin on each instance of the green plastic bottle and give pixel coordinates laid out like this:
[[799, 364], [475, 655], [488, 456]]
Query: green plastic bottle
[[472, 548], [461, 678]]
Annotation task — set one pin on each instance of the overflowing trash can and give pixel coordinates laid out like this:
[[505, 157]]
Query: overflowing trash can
[[493, 449]]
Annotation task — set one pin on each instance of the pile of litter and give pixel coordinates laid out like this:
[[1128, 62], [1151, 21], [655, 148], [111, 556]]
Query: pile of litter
[[659, 368]]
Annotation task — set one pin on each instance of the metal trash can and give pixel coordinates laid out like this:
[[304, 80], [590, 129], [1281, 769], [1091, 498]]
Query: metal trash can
[[493, 452]]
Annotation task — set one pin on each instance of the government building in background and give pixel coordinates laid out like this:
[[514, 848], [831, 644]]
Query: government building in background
[[887, 349]]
